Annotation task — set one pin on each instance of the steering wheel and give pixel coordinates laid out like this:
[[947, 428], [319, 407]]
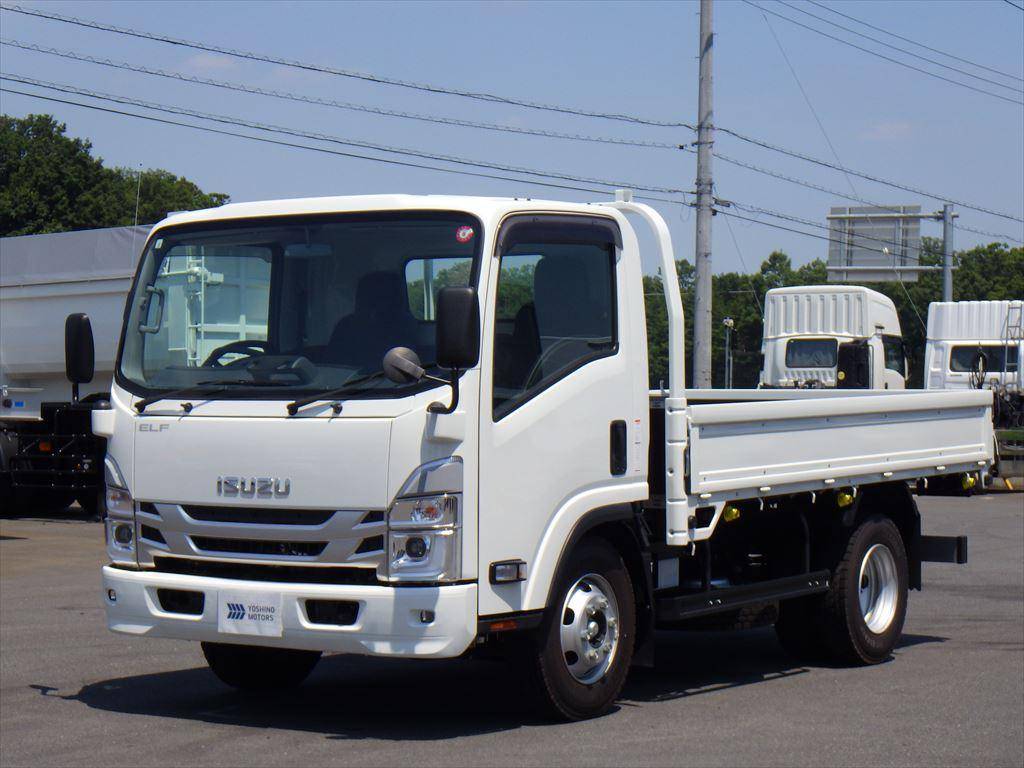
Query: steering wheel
[[246, 347]]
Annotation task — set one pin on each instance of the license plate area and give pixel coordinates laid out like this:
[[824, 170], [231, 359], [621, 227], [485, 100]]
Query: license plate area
[[250, 613]]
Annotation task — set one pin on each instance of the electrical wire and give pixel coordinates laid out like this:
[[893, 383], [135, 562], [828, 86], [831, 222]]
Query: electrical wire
[[1013, 88], [830, 9], [807, 100], [883, 56], [320, 101], [513, 129], [327, 137], [1013, 4], [323, 150], [349, 73], [860, 174]]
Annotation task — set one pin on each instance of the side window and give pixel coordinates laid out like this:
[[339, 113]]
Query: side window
[[811, 353], [555, 312], [894, 359]]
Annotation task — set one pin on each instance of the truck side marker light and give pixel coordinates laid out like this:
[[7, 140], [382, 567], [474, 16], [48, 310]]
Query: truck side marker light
[[940, 468], [507, 571], [730, 513], [887, 474], [830, 481], [765, 488], [705, 495], [844, 499], [503, 626]]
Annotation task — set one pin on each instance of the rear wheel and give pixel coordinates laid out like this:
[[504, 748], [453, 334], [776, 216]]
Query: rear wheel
[[253, 668], [860, 619], [579, 660]]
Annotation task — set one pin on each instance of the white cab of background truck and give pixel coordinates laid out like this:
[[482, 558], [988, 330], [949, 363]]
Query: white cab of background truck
[[804, 327], [432, 433], [968, 340]]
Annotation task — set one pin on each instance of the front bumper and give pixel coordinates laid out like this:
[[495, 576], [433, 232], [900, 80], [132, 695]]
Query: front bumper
[[388, 622]]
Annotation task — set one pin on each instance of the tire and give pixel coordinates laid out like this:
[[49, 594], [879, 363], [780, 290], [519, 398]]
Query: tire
[[251, 668], [864, 610], [574, 677]]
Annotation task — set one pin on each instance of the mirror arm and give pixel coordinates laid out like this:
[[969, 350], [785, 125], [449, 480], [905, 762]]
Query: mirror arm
[[454, 383]]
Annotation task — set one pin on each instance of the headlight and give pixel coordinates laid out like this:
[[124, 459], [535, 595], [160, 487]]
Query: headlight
[[120, 522], [425, 525]]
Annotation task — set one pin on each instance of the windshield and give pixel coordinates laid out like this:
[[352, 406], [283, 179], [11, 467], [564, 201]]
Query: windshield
[[811, 353], [292, 304]]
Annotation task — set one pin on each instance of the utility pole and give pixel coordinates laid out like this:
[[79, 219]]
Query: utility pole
[[947, 252], [729, 324], [705, 199]]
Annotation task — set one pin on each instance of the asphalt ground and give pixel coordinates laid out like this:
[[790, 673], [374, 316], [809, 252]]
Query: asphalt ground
[[72, 693]]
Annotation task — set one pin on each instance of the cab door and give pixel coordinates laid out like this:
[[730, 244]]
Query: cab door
[[558, 404]]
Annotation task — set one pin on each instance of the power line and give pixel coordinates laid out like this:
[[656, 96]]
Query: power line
[[848, 237], [349, 73], [914, 42], [807, 100], [324, 150], [1013, 88], [866, 176], [1018, 7], [329, 138], [512, 129], [883, 56], [347, 105]]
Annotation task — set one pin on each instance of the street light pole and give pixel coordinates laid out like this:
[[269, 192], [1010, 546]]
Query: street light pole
[[705, 199]]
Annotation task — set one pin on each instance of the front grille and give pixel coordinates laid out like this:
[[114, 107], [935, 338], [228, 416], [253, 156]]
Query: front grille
[[258, 515], [181, 601], [150, 533], [337, 612], [370, 544], [288, 574], [260, 546]]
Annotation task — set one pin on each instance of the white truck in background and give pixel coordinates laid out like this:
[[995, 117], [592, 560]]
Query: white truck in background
[[831, 336], [48, 454], [440, 439], [980, 345]]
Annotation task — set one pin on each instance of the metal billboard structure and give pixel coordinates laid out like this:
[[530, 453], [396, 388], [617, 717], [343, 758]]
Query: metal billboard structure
[[872, 244]]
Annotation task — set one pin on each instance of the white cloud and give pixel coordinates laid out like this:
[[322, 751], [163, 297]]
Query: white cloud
[[894, 130], [210, 62]]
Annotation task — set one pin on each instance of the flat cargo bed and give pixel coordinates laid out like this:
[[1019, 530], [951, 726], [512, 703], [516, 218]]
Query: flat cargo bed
[[750, 443]]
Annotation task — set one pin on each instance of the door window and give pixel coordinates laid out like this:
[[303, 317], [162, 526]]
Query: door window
[[555, 312], [894, 357]]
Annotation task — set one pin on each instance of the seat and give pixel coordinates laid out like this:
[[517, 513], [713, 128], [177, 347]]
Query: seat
[[381, 320]]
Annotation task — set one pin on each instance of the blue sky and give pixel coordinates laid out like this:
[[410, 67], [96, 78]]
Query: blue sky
[[637, 58]]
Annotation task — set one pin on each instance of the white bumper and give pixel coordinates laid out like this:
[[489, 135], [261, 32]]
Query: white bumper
[[388, 622]]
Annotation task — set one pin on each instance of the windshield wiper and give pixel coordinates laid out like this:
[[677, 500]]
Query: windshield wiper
[[200, 389], [350, 386]]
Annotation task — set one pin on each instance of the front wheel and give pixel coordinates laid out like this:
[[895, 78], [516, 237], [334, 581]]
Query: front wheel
[[581, 656], [253, 668]]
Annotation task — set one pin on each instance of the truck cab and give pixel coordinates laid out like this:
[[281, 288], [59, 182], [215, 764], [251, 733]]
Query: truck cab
[[807, 327]]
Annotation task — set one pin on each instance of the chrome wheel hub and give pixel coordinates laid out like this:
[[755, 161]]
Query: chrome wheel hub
[[589, 628], [878, 589]]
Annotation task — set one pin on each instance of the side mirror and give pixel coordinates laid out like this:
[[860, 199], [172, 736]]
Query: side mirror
[[79, 351], [458, 328]]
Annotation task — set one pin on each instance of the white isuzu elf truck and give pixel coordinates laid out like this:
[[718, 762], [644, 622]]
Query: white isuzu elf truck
[[430, 432]]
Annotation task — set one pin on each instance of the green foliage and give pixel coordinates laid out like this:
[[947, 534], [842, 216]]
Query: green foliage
[[50, 182], [988, 272]]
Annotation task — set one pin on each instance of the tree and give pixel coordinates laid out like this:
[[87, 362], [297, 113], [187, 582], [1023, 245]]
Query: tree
[[50, 182]]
